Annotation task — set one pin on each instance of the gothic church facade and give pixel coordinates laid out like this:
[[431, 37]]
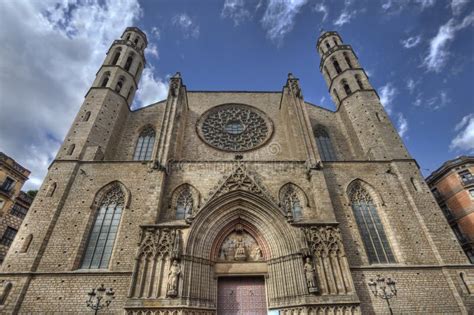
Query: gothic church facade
[[228, 202]]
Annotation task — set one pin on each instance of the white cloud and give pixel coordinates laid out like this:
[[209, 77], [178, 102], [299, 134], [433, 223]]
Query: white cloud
[[151, 90], [411, 42], [235, 10], [402, 124], [155, 31], [152, 49], [279, 17], [439, 53], [187, 25], [425, 3], [458, 5], [322, 8], [47, 66], [396, 6], [344, 18], [411, 85], [464, 140], [387, 95], [436, 102]]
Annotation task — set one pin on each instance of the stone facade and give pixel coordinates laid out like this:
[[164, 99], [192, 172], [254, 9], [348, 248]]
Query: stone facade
[[14, 203], [241, 184], [453, 188]]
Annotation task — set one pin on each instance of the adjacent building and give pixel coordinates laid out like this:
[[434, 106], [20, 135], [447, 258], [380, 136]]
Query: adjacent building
[[453, 187], [234, 202], [14, 203]]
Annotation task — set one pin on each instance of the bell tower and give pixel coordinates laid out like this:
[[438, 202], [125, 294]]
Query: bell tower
[[107, 103], [357, 101]]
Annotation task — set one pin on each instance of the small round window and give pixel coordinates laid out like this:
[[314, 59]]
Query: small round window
[[234, 127]]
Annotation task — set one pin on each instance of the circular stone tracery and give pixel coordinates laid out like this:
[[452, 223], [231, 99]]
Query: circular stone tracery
[[234, 127]]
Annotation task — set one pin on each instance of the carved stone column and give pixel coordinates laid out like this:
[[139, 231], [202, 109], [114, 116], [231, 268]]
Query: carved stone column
[[326, 249]]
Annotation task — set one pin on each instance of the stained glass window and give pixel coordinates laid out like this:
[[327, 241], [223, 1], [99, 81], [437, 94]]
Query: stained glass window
[[145, 143], [103, 233], [292, 203], [325, 145], [370, 226], [184, 203]]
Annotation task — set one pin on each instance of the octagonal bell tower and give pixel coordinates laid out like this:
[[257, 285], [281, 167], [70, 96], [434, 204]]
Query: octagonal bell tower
[[357, 101]]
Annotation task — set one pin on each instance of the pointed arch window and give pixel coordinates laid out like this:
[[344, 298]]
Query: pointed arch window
[[116, 56], [184, 203], [128, 63], [102, 236], [145, 143], [348, 61], [105, 79], [370, 226], [359, 81], [324, 143], [119, 85], [346, 87], [292, 203], [336, 65]]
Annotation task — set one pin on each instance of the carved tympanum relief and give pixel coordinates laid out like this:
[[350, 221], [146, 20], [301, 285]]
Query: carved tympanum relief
[[234, 127], [239, 246]]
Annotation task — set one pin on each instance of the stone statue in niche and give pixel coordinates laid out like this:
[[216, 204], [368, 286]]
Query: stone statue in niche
[[173, 279], [240, 253], [310, 274], [239, 246]]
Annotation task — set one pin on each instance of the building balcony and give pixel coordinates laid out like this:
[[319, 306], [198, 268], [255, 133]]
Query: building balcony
[[6, 191], [468, 181]]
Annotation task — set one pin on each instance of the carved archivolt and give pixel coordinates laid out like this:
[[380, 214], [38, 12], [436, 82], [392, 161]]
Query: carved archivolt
[[234, 127]]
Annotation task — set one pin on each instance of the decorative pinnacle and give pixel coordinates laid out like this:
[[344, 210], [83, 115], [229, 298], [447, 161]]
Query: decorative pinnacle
[[290, 75], [177, 75]]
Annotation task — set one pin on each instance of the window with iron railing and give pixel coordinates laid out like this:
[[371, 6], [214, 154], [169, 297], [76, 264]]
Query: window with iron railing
[[447, 212], [436, 193], [8, 236], [7, 184], [466, 177], [18, 211]]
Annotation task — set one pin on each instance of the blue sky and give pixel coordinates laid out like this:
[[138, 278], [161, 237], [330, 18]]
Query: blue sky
[[419, 55]]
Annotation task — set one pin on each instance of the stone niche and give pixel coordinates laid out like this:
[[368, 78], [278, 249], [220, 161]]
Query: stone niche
[[239, 251]]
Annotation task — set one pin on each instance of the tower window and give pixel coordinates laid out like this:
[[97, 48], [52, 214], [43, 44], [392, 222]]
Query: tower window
[[116, 56], [324, 143], [139, 68], [346, 87], [327, 44], [8, 236], [370, 226], [128, 63], [102, 236], [127, 37], [335, 41], [71, 148], [119, 85], [359, 82], [145, 143], [184, 204], [87, 115], [136, 41], [105, 79], [346, 57], [335, 63]]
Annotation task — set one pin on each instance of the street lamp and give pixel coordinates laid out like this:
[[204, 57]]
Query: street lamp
[[96, 298], [379, 289]]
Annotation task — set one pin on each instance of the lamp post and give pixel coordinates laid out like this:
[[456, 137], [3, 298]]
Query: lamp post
[[379, 289], [96, 300]]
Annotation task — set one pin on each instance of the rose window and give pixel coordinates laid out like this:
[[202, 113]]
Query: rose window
[[234, 127]]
